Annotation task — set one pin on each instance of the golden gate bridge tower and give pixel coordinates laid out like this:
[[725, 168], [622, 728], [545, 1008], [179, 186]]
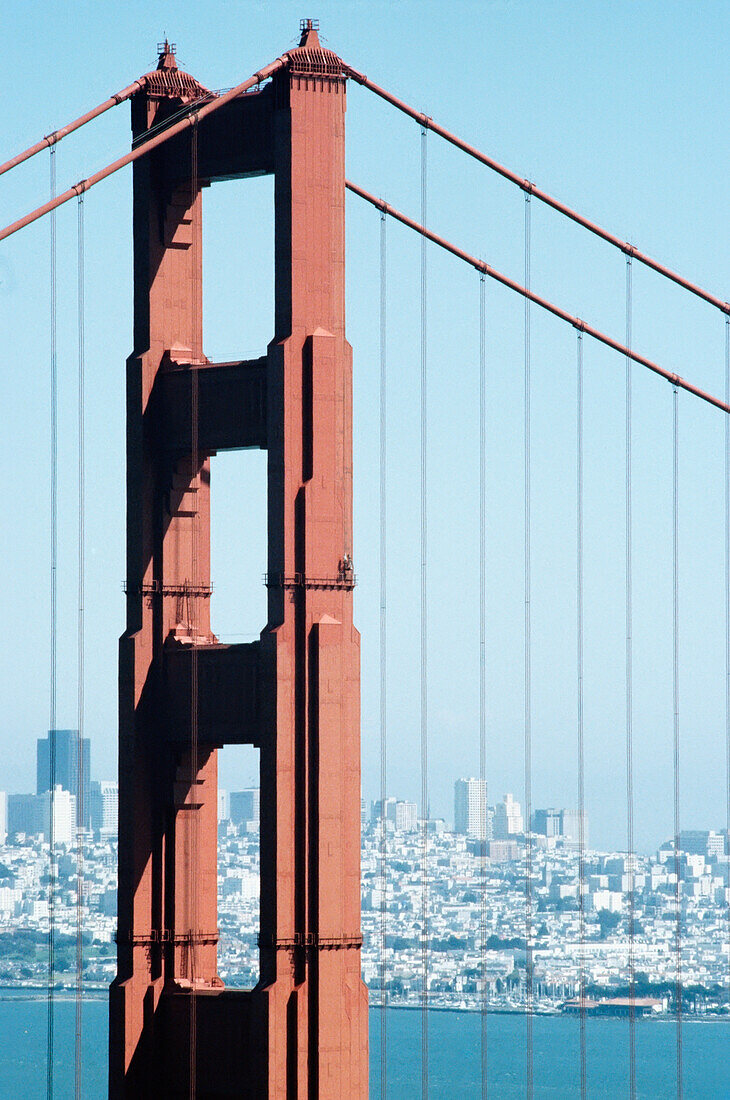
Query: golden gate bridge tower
[[174, 1029], [302, 1031]]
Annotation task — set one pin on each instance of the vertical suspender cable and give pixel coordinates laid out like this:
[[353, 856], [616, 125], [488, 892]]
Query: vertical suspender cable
[[194, 476], [53, 640], [528, 684], [675, 695], [424, 641], [383, 662], [629, 615], [483, 670], [581, 755], [727, 625], [81, 808]]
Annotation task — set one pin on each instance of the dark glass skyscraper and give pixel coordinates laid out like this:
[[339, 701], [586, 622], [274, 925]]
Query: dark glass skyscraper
[[67, 768]]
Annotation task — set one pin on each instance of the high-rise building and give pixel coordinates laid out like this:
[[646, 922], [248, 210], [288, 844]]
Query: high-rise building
[[104, 808], [570, 826], [507, 818], [704, 842], [244, 806], [376, 808], [546, 822], [560, 823], [471, 816], [224, 806], [401, 814], [67, 768], [25, 814], [405, 816], [65, 816], [31, 814], [3, 817]]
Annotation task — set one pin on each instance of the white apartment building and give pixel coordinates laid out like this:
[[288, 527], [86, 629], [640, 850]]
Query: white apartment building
[[64, 816], [471, 817], [105, 807], [401, 814], [31, 814], [405, 816], [507, 818]]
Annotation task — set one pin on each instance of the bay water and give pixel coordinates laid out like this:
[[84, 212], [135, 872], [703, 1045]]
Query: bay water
[[454, 1054]]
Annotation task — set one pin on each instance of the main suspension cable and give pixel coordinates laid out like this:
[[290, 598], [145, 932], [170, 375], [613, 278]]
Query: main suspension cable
[[422, 119], [146, 147], [52, 872], [483, 674], [629, 615], [424, 632], [81, 808], [676, 745], [187, 110], [528, 683], [530, 189], [525, 292], [52, 139], [581, 747], [383, 660]]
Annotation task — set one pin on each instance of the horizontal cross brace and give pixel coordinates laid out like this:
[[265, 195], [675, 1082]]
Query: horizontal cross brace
[[302, 580], [310, 940], [156, 588], [166, 935]]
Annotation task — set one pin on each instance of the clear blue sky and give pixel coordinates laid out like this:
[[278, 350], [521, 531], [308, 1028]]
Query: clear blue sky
[[614, 107]]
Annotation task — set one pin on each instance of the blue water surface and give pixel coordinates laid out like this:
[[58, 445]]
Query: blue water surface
[[454, 1042], [454, 1057]]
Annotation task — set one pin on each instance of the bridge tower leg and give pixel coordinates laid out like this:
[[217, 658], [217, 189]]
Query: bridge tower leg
[[302, 1031]]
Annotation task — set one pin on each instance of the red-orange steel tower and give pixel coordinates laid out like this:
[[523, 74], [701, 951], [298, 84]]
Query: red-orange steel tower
[[302, 1032]]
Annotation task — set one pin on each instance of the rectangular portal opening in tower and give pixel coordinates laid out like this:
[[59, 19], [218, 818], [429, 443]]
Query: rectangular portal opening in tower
[[238, 268], [238, 866], [238, 544]]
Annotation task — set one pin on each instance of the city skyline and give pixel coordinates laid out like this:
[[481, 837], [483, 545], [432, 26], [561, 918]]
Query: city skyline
[[246, 789], [464, 489], [455, 917], [59, 751], [559, 146]]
